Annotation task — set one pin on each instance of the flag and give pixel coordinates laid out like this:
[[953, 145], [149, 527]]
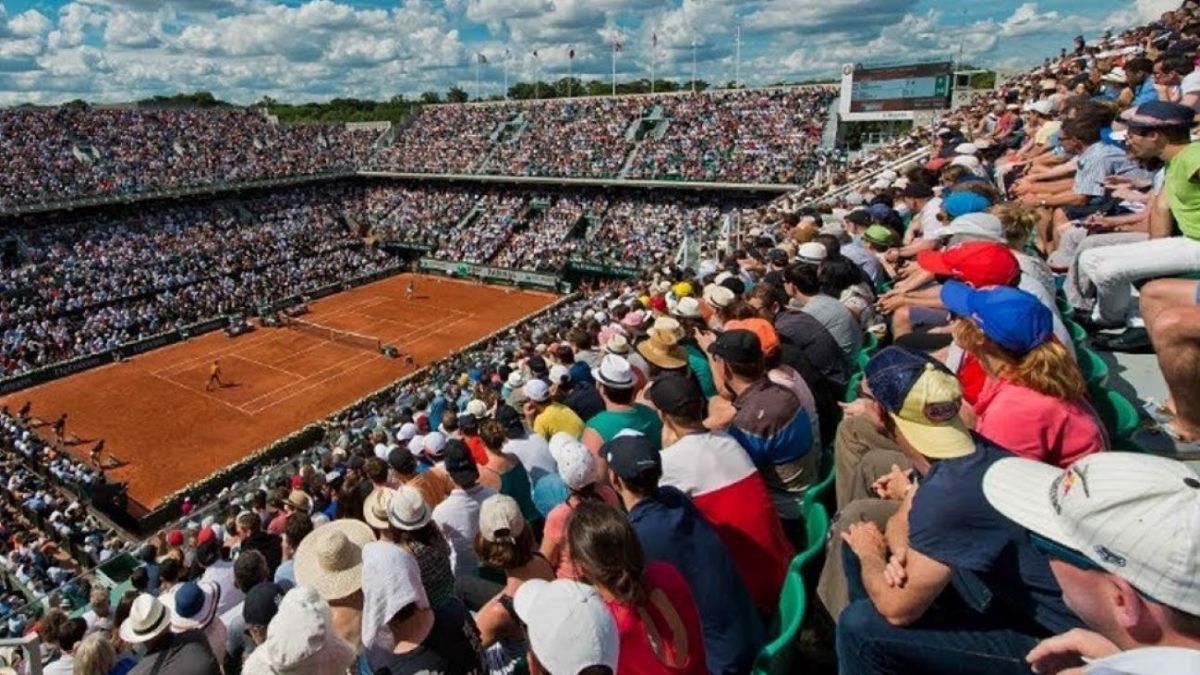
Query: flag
[[616, 46], [571, 53], [506, 53], [654, 39], [482, 58], [535, 55]]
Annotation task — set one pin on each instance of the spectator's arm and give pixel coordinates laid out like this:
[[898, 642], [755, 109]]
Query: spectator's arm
[[899, 605], [1160, 224]]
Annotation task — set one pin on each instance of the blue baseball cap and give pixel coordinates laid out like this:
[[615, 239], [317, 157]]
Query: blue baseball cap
[[923, 398], [962, 202], [1010, 317]]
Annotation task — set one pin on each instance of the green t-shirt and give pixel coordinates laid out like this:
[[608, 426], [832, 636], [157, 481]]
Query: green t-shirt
[[1184, 192], [699, 364], [638, 418]]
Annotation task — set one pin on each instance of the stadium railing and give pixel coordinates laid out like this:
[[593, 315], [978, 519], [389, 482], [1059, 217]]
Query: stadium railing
[[31, 648]]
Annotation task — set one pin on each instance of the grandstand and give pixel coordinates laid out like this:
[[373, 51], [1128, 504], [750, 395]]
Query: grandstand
[[596, 246]]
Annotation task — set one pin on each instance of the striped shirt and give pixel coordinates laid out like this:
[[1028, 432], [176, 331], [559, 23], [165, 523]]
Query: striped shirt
[[1098, 162]]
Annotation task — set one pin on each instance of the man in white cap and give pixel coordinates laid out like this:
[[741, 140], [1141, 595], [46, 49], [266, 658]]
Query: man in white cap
[[167, 653], [1122, 532], [545, 415], [570, 629]]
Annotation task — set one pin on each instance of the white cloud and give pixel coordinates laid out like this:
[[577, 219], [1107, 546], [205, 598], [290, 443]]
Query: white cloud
[[29, 23]]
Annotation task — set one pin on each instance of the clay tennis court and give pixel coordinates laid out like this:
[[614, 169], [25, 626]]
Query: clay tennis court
[[154, 414]]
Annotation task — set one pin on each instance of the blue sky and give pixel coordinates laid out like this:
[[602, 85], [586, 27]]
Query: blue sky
[[300, 50]]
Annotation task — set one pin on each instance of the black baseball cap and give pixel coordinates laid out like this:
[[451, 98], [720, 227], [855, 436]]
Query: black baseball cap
[[514, 426], [734, 284], [460, 464], [401, 460], [537, 365], [467, 422], [262, 603], [631, 456], [918, 191], [738, 346], [676, 394]]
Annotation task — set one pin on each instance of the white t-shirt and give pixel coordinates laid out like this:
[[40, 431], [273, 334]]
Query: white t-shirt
[[1147, 661], [534, 453], [928, 218], [1190, 83], [458, 517]]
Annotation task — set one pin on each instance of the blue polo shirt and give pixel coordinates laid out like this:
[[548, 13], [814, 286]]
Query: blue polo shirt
[[996, 568], [673, 531]]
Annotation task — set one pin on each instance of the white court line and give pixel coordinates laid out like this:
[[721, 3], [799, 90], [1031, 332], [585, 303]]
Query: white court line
[[309, 384], [205, 394], [352, 357], [263, 337], [431, 333], [266, 365]]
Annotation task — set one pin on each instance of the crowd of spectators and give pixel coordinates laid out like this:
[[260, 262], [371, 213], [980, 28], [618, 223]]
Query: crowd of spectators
[[621, 483], [52, 154], [585, 137], [88, 286], [736, 136]]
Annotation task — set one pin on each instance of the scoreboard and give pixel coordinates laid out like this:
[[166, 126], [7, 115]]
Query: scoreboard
[[894, 92]]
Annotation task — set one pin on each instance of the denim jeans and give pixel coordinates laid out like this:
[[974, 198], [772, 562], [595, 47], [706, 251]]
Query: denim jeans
[[950, 639]]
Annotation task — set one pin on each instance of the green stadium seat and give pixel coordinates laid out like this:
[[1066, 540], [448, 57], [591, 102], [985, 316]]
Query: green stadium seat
[[861, 358], [1094, 369], [1064, 305], [852, 388], [822, 493], [870, 343], [793, 598], [1120, 417], [1078, 335]]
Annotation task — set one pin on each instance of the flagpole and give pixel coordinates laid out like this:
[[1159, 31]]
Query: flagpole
[[570, 68], [505, 74], [614, 68], [653, 44], [737, 59], [693, 65], [477, 76]]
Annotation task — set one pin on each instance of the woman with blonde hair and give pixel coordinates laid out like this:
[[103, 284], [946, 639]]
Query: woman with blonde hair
[[1019, 223], [96, 656], [1033, 402]]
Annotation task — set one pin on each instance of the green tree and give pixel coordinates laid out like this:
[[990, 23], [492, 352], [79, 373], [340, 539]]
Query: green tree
[[430, 97], [456, 95]]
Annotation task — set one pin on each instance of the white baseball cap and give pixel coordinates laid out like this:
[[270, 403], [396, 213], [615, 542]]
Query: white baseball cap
[[536, 390], [559, 374], [478, 409], [515, 381], [718, 296], [499, 517], [1134, 515], [812, 253], [688, 308], [434, 443], [576, 465], [407, 431], [965, 149], [558, 441], [569, 626]]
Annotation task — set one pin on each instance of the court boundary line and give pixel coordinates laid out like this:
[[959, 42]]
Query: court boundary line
[[205, 394]]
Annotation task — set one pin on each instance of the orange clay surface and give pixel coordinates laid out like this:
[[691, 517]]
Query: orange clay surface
[[155, 416]]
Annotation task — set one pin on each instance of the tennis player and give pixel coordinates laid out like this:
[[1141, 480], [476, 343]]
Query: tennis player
[[410, 288], [214, 376]]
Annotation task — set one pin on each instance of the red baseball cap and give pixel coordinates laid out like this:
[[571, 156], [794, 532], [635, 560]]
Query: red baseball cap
[[978, 263], [206, 535], [175, 538]]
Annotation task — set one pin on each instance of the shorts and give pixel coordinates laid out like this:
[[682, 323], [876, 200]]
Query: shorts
[[927, 317]]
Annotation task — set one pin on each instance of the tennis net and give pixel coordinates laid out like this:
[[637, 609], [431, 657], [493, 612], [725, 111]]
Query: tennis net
[[335, 334]]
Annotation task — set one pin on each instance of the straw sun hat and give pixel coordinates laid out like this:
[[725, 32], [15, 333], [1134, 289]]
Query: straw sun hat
[[330, 558]]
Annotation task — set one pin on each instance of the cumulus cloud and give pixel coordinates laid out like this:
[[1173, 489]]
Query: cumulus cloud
[[115, 50]]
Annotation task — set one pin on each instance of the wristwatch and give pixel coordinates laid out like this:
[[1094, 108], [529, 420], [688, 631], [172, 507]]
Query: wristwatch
[[1042, 203]]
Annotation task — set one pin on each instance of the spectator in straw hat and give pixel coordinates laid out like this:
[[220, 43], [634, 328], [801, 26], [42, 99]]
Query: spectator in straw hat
[[329, 560], [621, 411], [195, 609], [166, 652]]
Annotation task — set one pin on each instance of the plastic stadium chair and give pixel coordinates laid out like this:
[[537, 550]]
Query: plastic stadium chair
[[1078, 335], [861, 358], [870, 343], [1120, 417], [1065, 308], [821, 493], [852, 388], [1094, 369], [793, 599]]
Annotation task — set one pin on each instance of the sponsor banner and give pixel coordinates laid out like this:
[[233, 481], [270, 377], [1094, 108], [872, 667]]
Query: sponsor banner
[[584, 266], [486, 273]]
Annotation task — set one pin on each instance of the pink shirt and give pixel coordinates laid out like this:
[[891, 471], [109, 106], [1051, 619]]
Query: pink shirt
[[1034, 425], [555, 531]]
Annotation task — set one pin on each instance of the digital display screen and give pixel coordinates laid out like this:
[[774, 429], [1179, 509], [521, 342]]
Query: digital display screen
[[923, 86]]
